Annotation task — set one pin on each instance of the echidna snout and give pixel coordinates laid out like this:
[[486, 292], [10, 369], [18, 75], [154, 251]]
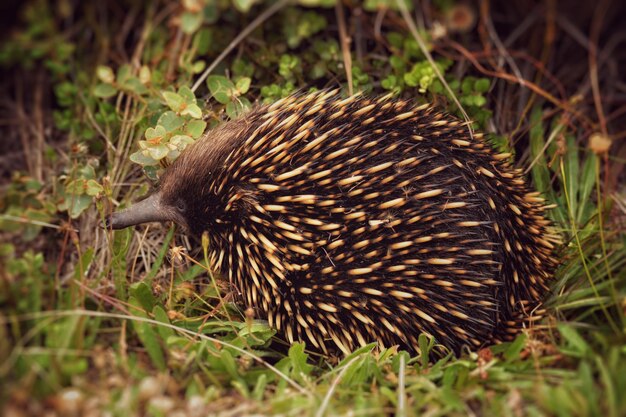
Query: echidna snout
[[151, 209], [348, 221]]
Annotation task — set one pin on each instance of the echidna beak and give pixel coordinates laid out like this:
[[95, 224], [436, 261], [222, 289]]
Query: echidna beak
[[149, 210]]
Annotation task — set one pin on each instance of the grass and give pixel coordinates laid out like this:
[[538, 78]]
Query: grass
[[132, 322]]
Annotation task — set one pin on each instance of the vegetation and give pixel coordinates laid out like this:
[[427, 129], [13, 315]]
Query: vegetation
[[99, 97]]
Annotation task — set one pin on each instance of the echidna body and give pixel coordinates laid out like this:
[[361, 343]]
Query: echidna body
[[358, 220]]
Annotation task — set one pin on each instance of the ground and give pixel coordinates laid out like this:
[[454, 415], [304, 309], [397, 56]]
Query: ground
[[98, 97]]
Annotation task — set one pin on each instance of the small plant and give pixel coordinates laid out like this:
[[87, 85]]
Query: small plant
[[231, 94], [175, 129]]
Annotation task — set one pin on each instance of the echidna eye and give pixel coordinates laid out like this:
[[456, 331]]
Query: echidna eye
[[181, 206]]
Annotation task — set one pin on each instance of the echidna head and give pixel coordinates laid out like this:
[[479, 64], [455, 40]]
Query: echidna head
[[187, 190]]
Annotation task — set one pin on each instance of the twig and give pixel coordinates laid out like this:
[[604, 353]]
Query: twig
[[345, 48], [125, 317], [174, 55], [23, 118], [378, 23], [35, 222], [38, 126], [538, 65], [433, 64], [333, 386], [551, 138], [484, 11], [244, 33], [596, 25], [401, 412], [524, 83]]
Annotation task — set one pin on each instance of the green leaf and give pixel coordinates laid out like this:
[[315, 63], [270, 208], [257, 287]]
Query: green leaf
[[358, 371], [259, 387], [396, 62], [425, 345], [76, 204], [158, 261], [124, 72], [390, 82], [158, 152], [174, 101], [151, 172], [395, 39], [539, 171], [479, 100], [144, 74], [236, 108], [105, 74], [192, 110], [317, 3], [161, 315], [515, 348], [147, 335], [87, 172], [467, 85], [121, 242], [481, 85], [190, 22], [571, 171], [143, 294], [288, 66], [180, 142], [299, 359], [187, 95], [92, 188], [221, 88], [244, 5], [362, 350], [195, 128], [143, 158], [202, 41], [135, 86], [242, 67], [452, 399], [243, 84], [170, 121], [198, 66], [76, 187], [104, 90], [576, 344], [318, 70], [587, 183], [73, 366], [62, 333], [300, 25], [172, 154], [155, 134], [257, 333], [229, 364]]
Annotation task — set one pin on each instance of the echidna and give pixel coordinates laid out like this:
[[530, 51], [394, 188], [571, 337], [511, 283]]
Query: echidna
[[358, 220]]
